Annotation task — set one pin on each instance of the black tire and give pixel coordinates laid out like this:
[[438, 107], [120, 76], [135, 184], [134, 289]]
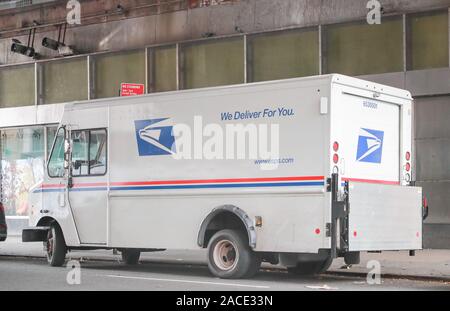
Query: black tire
[[311, 267], [230, 256], [254, 266], [130, 256], [55, 246]]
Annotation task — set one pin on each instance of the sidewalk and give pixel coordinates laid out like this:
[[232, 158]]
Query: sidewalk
[[427, 264]]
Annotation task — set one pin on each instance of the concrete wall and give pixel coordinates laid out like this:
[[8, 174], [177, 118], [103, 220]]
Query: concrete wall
[[116, 32], [433, 165]]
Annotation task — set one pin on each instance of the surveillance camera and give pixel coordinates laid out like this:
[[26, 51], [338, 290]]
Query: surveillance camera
[[23, 50], [120, 8], [51, 44]]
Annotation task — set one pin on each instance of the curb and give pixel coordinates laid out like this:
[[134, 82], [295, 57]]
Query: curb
[[391, 276]]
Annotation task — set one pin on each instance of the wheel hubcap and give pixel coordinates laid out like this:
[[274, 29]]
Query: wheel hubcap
[[225, 255]]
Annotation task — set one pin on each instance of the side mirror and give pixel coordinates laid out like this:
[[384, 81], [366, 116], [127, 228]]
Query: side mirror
[[66, 146], [66, 154]]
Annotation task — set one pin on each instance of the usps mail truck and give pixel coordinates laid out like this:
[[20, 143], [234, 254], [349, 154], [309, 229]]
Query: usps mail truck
[[295, 172]]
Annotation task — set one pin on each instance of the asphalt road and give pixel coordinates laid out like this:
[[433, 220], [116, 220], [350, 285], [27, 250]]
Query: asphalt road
[[18, 273]]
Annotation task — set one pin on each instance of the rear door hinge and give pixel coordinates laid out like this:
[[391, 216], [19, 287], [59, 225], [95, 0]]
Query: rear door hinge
[[328, 230], [329, 185]]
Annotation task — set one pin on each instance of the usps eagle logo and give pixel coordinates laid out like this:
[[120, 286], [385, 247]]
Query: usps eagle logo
[[370, 146], [155, 137]]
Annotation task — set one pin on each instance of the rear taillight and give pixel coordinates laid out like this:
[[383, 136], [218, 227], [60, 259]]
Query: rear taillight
[[2, 210], [336, 146], [336, 159], [336, 154], [408, 163]]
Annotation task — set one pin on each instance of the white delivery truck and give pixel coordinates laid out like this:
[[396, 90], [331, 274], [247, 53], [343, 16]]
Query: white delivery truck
[[296, 172]]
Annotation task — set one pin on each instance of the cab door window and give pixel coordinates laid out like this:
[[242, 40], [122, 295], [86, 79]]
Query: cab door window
[[89, 153], [97, 152]]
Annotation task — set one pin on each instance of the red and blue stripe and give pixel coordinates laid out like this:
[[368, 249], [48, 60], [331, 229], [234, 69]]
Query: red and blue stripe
[[305, 181]]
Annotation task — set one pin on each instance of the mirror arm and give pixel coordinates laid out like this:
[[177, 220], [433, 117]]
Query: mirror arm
[[67, 157], [70, 182]]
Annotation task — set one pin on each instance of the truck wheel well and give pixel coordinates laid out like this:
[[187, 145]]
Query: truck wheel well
[[226, 217], [46, 221]]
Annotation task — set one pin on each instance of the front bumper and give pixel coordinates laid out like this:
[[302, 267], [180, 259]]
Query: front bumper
[[35, 234]]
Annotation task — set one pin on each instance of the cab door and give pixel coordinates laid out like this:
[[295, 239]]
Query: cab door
[[88, 187]]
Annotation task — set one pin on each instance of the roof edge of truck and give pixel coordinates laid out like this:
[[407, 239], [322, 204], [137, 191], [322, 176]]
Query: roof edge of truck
[[371, 86], [332, 78]]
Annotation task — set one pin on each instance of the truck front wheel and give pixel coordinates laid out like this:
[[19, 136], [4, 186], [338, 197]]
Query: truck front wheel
[[55, 246], [230, 256]]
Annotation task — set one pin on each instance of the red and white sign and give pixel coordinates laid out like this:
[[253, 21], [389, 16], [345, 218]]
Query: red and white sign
[[131, 89]]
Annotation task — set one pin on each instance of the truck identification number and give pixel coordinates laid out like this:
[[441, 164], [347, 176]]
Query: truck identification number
[[370, 105]]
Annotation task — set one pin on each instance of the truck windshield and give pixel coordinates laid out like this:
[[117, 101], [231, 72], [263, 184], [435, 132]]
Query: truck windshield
[[56, 162]]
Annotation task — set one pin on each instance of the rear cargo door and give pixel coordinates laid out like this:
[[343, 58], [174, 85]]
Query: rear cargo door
[[368, 132]]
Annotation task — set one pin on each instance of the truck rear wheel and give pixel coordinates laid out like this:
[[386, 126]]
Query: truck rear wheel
[[131, 256], [230, 256], [311, 267], [55, 246]]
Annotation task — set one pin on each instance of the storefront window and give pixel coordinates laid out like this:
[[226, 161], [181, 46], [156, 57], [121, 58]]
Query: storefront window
[[213, 63], [17, 86], [282, 55], [111, 70], [428, 41], [360, 49], [22, 166], [65, 81], [163, 69]]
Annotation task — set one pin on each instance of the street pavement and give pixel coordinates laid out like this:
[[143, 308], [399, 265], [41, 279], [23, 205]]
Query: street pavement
[[33, 274], [23, 267]]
